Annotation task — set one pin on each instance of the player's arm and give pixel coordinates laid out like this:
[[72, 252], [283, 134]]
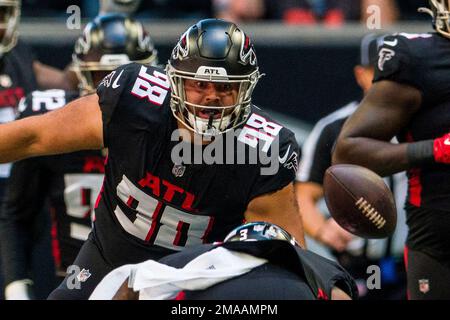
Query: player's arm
[[316, 158], [280, 208], [364, 139], [308, 194], [48, 77], [77, 126], [326, 231]]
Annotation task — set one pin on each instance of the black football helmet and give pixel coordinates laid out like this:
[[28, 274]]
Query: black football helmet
[[440, 12], [216, 51], [109, 41], [259, 231], [9, 22]]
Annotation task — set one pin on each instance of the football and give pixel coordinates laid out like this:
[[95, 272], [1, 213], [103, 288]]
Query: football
[[360, 201]]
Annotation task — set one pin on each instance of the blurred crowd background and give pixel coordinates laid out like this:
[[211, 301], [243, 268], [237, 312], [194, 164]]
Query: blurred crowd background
[[313, 27], [305, 12]]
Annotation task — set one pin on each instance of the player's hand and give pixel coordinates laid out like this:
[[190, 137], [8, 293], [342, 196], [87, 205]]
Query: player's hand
[[334, 236], [441, 149], [19, 290]]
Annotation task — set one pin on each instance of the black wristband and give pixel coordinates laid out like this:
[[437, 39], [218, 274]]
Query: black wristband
[[419, 153]]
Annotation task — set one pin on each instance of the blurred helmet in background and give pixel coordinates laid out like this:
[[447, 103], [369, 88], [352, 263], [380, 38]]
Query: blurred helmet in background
[[218, 51], [9, 22], [109, 41]]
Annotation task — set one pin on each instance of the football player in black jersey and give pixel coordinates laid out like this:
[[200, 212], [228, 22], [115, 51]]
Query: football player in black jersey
[[20, 73], [70, 182], [281, 271], [19, 55], [410, 99], [152, 204]]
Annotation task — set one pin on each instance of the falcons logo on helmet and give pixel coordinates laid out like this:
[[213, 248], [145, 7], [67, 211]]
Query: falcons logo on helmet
[[83, 44], [181, 50], [145, 43], [247, 54]]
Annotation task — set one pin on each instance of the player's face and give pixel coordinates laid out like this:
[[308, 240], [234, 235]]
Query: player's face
[[214, 94]]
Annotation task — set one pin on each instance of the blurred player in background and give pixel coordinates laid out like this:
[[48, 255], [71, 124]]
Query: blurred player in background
[[70, 182], [357, 254], [256, 261], [20, 73], [410, 99]]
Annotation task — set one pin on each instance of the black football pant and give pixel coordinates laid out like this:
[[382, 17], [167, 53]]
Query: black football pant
[[428, 278], [427, 256], [92, 266], [41, 264]]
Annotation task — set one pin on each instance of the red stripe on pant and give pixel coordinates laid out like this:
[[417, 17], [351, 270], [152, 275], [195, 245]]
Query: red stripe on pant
[[56, 250], [415, 187], [405, 260], [414, 182]]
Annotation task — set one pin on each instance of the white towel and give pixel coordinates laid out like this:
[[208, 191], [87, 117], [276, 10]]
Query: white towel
[[157, 281]]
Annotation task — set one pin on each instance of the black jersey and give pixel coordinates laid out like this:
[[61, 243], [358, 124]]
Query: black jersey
[[151, 204], [291, 273], [16, 80], [422, 61], [70, 183]]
